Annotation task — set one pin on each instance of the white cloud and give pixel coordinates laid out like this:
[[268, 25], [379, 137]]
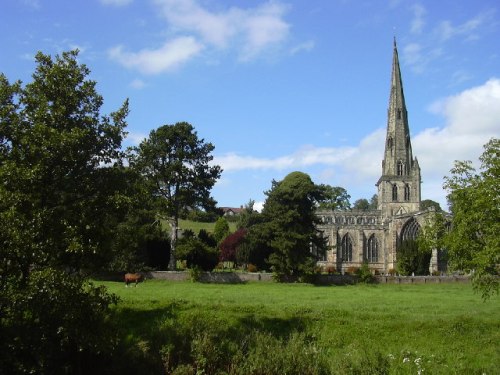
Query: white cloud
[[472, 117], [116, 2], [134, 139], [303, 47], [418, 57], [249, 31], [418, 22], [154, 61], [137, 84], [446, 30]]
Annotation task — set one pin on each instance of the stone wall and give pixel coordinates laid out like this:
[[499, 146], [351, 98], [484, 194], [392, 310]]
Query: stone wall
[[237, 277]]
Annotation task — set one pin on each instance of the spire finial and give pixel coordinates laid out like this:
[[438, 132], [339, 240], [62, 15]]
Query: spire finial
[[394, 41]]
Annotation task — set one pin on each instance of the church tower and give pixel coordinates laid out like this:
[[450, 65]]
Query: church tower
[[399, 185]]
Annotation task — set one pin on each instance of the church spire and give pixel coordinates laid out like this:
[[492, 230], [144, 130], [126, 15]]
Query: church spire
[[399, 185], [398, 145]]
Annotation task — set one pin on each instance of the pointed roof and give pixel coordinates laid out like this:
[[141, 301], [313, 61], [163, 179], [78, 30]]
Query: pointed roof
[[398, 145], [397, 98]]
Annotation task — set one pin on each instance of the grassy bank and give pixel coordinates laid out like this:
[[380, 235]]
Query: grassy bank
[[296, 329]]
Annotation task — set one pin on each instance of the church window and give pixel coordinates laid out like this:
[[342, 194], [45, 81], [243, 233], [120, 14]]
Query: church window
[[346, 248], [399, 114], [394, 193], [372, 249], [389, 143], [410, 230], [401, 168], [407, 192]]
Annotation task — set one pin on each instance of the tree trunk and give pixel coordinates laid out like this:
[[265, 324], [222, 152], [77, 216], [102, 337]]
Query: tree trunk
[[174, 224]]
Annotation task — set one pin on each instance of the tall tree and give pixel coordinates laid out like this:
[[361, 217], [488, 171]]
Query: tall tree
[[429, 203], [59, 160], [361, 204], [473, 242], [176, 166], [289, 222], [335, 198]]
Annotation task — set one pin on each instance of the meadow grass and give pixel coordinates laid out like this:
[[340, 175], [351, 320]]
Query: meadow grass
[[264, 327]]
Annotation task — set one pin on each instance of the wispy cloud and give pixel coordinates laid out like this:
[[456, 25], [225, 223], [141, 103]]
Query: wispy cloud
[[303, 47], [418, 22], [152, 61], [116, 2], [247, 32], [468, 30]]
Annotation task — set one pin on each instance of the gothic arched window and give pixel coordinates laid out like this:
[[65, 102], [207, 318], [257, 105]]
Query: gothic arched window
[[410, 230], [407, 192], [372, 249], [394, 193], [401, 168], [346, 248]]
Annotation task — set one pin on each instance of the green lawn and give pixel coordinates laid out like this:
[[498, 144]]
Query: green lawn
[[264, 327]]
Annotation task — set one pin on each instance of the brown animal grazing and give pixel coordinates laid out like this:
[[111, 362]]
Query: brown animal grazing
[[133, 278]]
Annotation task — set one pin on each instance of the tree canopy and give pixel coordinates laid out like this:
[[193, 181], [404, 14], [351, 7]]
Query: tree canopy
[[60, 167], [176, 166], [288, 226], [473, 242]]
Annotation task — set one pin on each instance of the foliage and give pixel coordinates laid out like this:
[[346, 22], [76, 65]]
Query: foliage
[[289, 225], [62, 194], [365, 274], [229, 246], [196, 253], [248, 215], [221, 229], [60, 191], [334, 198], [175, 164], [374, 202], [473, 242], [361, 204], [57, 324], [413, 260], [429, 203]]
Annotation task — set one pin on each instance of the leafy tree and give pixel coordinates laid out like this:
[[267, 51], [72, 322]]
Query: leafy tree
[[412, 259], [289, 224], [230, 245], [196, 253], [176, 166], [335, 198], [361, 204], [473, 242], [221, 229], [374, 202], [59, 199], [248, 215], [428, 203]]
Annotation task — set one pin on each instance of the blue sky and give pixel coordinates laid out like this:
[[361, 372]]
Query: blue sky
[[279, 86]]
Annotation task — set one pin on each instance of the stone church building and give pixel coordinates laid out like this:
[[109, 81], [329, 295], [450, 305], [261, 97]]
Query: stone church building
[[373, 236]]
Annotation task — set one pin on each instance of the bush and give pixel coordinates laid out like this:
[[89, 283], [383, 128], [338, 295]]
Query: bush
[[196, 253], [252, 268], [365, 274], [58, 323]]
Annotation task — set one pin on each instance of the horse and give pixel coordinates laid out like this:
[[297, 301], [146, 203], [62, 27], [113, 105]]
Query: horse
[[133, 278]]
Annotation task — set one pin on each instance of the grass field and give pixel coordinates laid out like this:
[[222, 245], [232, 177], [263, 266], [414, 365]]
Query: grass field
[[268, 328]]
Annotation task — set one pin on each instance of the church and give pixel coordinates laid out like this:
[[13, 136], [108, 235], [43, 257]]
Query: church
[[373, 236]]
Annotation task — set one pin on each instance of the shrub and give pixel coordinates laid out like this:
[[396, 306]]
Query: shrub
[[391, 272], [331, 270], [352, 270], [251, 268], [365, 274]]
